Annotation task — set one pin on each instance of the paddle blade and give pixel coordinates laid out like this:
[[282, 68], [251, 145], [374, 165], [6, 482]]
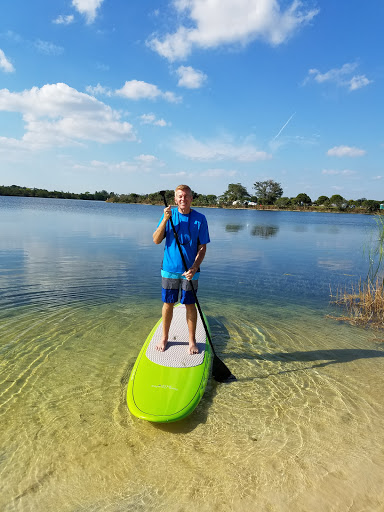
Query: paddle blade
[[220, 372]]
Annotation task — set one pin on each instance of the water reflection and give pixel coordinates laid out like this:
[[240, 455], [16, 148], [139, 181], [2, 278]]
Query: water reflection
[[79, 285], [264, 231], [302, 228], [234, 228]]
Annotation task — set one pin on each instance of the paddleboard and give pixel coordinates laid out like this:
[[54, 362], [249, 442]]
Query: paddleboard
[[167, 386]]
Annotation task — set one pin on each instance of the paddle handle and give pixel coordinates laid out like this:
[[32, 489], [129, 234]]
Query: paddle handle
[[186, 269]]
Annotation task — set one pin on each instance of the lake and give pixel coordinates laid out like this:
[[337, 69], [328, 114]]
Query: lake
[[302, 427]]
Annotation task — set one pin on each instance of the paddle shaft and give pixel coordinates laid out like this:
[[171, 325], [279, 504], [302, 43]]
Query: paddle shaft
[[193, 290]]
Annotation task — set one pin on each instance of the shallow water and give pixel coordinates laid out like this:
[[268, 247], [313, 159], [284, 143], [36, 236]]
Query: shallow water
[[301, 429]]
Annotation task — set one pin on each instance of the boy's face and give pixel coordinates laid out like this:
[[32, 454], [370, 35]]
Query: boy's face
[[183, 199]]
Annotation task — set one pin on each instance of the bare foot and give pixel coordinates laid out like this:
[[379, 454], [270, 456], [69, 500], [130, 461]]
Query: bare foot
[[161, 346], [193, 348]]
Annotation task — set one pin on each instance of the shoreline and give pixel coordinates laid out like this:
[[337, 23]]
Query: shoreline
[[270, 208]]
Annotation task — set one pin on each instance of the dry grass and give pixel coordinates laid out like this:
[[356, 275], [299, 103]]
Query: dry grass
[[363, 306]]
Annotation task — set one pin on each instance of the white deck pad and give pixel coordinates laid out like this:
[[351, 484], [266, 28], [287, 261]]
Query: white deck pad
[[176, 354]]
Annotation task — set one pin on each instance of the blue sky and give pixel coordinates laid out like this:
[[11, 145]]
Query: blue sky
[[139, 96]]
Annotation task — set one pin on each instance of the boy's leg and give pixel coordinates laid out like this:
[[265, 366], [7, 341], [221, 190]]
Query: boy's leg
[[192, 321], [169, 294], [167, 315]]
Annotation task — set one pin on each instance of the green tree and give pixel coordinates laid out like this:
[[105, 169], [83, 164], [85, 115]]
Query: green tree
[[302, 200], [283, 202], [205, 200], [101, 195], [268, 191], [322, 201], [337, 200], [370, 205], [235, 192]]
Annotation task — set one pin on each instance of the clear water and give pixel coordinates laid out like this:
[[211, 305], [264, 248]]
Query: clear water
[[301, 429]]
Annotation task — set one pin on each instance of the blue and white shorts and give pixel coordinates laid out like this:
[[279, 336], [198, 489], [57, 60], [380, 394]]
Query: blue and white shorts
[[171, 283]]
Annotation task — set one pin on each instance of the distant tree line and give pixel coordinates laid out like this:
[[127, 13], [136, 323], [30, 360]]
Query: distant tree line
[[16, 190], [268, 194]]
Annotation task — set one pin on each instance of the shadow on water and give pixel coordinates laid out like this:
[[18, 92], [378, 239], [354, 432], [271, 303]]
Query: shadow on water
[[196, 418], [327, 357]]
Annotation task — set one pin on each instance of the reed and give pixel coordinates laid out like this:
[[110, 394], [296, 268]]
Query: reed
[[364, 304]]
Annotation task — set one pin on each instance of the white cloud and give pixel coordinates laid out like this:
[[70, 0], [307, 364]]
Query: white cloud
[[191, 148], [357, 82], [341, 151], [137, 90], [146, 159], [5, 64], [48, 48], [174, 174], [218, 173], [333, 172], [13, 36], [378, 177], [340, 76], [63, 19], [58, 115], [220, 22], [98, 90], [190, 78], [88, 8], [119, 167], [141, 163], [151, 119]]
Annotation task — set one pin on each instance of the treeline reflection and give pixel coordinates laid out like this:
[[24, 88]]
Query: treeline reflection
[[260, 230]]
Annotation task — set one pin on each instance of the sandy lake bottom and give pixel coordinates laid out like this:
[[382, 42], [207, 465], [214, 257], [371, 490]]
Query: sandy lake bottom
[[301, 429]]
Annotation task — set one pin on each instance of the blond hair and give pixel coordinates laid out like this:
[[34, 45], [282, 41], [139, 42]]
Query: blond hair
[[185, 188]]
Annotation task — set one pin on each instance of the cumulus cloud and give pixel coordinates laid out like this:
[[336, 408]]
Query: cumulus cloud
[[5, 64], [138, 90], [342, 77], [191, 148], [222, 22], [151, 119], [57, 115], [134, 90], [88, 8], [341, 151], [190, 78], [63, 19]]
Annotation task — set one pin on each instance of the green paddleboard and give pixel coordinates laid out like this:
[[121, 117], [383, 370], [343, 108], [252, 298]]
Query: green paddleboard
[[167, 386]]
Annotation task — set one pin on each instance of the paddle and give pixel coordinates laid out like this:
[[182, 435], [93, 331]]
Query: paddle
[[220, 372]]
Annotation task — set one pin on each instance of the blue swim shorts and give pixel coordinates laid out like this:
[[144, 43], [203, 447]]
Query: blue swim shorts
[[171, 283]]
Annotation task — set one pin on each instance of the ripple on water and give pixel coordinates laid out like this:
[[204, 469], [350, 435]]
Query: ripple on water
[[303, 419]]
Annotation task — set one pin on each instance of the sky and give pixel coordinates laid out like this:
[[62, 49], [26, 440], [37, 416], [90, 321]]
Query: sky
[[141, 95]]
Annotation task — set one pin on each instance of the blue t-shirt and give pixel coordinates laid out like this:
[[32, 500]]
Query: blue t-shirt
[[192, 231]]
